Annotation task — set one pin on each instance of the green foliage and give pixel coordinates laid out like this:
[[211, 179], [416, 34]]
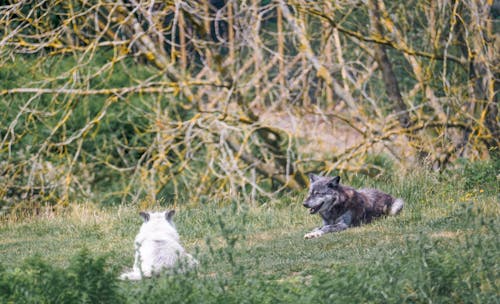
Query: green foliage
[[86, 280], [378, 166], [483, 175], [126, 125]]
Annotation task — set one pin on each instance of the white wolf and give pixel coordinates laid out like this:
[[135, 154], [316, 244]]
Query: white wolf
[[157, 246]]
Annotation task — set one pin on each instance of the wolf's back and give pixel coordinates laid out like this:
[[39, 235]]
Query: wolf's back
[[381, 203]]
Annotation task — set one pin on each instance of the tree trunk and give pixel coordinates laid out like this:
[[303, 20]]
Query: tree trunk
[[389, 78]]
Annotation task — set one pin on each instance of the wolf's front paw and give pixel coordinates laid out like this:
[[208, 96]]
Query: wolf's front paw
[[314, 234]]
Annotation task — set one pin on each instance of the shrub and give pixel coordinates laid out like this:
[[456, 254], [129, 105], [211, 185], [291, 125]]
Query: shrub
[[86, 280], [482, 174]]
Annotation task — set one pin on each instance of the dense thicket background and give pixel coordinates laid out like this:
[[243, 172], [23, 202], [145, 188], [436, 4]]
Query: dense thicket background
[[184, 101]]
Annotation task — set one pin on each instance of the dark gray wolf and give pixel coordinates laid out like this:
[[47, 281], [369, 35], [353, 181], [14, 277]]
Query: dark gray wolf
[[342, 207]]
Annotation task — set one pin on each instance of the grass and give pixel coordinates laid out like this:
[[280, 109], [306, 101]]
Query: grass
[[443, 248]]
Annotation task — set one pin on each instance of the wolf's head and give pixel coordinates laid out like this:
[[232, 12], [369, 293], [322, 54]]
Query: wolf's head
[[323, 193], [158, 223]]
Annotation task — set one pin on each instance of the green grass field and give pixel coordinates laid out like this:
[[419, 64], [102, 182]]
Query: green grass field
[[443, 248]]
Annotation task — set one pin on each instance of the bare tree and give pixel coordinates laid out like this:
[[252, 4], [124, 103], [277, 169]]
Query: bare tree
[[191, 100]]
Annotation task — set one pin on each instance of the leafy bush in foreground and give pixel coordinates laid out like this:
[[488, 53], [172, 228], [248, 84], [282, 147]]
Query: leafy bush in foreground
[[86, 280]]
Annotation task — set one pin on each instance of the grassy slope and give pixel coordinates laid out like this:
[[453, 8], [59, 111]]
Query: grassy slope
[[443, 247]]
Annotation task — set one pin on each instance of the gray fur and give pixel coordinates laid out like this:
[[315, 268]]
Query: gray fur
[[342, 207]]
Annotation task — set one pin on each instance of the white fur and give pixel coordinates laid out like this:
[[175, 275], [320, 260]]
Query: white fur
[[396, 206], [157, 247], [314, 234]]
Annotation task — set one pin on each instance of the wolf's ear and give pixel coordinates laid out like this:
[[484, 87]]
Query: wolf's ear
[[169, 215], [145, 216], [334, 182], [313, 177]]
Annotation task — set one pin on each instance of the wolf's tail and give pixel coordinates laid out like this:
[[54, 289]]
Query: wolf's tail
[[396, 206]]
